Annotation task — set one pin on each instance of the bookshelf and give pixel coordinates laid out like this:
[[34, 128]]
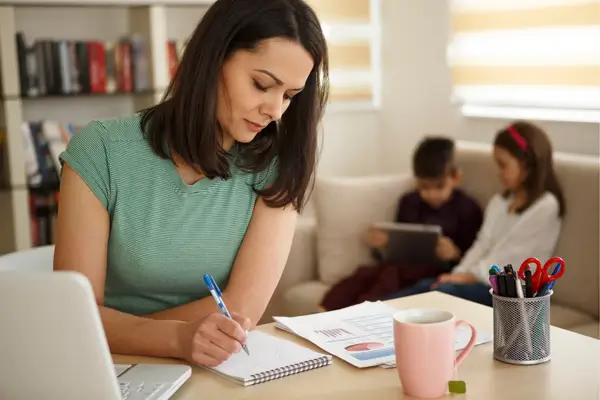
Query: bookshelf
[[156, 22]]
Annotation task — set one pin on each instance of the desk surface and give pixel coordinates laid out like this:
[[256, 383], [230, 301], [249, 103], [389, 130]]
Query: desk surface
[[573, 372]]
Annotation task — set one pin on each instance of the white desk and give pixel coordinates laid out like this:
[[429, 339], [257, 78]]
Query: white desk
[[572, 374]]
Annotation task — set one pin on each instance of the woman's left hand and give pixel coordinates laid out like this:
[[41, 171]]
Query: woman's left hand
[[458, 279]]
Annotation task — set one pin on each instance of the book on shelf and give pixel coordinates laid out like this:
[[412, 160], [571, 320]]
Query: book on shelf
[[174, 52], [43, 209], [71, 67], [43, 141]]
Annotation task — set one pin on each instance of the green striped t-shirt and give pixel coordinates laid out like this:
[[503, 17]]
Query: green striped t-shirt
[[164, 234]]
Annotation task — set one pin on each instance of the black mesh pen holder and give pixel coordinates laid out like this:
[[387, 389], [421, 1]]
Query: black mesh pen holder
[[521, 329]]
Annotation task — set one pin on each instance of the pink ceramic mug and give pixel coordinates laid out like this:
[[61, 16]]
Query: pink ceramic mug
[[425, 352]]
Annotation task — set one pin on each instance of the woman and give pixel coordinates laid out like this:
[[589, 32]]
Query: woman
[[208, 181]]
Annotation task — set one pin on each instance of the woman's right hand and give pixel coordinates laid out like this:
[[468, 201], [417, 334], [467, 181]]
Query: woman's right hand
[[376, 238], [213, 339]]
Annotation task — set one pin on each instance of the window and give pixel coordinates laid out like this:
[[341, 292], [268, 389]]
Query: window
[[536, 59], [352, 31]]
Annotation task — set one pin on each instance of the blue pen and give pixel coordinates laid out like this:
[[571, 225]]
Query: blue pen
[[216, 294]]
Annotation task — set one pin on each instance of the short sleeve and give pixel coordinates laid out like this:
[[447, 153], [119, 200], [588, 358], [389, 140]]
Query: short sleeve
[[265, 178], [87, 155]]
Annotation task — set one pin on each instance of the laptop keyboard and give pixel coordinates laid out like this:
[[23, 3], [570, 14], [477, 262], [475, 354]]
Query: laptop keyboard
[[139, 390]]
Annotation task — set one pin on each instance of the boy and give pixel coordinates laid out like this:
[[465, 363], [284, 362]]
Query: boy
[[436, 200]]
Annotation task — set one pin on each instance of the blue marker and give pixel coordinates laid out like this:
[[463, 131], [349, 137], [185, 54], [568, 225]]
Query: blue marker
[[216, 294]]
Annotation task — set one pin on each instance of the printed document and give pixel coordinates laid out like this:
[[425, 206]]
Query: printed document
[[362, 335]]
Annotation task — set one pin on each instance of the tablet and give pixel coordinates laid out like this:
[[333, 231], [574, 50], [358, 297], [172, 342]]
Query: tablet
[[412, 244]]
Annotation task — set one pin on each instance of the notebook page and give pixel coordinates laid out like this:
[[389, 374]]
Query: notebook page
[[267, 353]]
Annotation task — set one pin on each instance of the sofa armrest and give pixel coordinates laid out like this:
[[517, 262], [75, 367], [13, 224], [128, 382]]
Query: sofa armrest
[[301, 265]]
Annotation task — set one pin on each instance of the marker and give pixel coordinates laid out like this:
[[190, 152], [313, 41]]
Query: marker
[[528, 283], [216, 294], [494, 280], [502, 284], [511, 285]]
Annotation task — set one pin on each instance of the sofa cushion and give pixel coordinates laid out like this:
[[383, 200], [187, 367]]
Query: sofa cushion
[[578, 243], [565, 317], [344, 208], [591, 330], [303, 298]]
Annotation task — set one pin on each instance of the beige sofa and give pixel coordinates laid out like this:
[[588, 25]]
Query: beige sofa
[[327, 245]]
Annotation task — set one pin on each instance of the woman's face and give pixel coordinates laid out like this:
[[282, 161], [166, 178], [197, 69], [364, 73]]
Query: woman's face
[[256, 87], [510, 170]]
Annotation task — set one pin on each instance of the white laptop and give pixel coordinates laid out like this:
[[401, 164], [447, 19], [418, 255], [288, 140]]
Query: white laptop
[[53, 346]]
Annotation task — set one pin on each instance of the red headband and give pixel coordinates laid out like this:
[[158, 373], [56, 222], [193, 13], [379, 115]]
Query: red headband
[[517, 137]]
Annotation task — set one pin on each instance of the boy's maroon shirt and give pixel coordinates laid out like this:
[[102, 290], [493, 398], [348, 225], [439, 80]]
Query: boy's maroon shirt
[[460, 217]]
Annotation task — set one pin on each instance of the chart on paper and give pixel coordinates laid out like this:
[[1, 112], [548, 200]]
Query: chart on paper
[[376, 342], [361, 335]]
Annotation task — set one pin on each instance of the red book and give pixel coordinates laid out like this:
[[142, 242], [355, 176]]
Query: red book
[[125, 49], [97, 65]]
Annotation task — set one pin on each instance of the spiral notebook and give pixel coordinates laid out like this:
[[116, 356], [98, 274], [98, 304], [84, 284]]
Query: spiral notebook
[[270, 358]]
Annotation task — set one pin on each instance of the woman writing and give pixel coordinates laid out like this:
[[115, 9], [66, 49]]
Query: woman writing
[[210, 180]]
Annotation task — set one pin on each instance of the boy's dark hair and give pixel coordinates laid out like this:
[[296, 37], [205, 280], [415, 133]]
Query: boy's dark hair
[[434, 158], [529, 144], [185, 121]]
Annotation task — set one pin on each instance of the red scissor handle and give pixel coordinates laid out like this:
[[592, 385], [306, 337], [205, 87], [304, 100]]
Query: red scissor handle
[[552, 262], [541, 276]]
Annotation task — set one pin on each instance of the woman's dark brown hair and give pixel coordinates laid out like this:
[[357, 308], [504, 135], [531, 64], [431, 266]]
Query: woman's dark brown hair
[[185, 121], [529, 144]]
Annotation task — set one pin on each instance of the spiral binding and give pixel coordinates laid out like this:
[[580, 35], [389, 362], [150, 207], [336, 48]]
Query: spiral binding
[[289, 370]]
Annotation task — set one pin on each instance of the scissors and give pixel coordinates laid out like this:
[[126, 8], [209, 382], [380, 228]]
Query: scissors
[[540, 276]]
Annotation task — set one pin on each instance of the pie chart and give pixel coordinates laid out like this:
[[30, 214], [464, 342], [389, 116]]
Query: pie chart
[[364, 346]]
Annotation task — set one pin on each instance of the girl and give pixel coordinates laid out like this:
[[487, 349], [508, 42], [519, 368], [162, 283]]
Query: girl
[[522, 222]]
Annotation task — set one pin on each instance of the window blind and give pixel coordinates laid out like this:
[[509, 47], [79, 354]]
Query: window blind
[[541, 54], [351, 28]]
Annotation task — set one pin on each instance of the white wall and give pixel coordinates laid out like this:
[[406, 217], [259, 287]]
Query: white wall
[[351, 144], [417, 85]]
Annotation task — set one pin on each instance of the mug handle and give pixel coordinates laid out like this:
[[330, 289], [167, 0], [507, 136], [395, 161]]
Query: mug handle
[[469, 346]]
